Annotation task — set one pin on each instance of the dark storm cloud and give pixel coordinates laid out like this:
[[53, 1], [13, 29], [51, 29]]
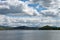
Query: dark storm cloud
[[4, 11], [15, 9], [49, 14], [12, 9], [45, 3]]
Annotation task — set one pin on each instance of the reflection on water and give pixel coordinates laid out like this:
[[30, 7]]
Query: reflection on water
[[29, 35]]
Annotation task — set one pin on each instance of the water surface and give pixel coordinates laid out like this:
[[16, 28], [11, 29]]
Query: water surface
[[29, 35]]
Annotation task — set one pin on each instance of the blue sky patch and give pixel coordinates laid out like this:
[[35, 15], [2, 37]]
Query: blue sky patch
[[24, 0], [40, 8], [33, 5]]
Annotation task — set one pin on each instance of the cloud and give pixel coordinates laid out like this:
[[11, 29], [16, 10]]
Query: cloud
[[14, 7], [46, 3], [11, 6], [50, 12], [16, 13], [26, 21]]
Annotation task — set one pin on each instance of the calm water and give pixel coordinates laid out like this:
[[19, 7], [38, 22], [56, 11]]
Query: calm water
[[29, 35]]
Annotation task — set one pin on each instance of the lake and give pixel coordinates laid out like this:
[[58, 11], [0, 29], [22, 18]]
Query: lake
[[29, 35]]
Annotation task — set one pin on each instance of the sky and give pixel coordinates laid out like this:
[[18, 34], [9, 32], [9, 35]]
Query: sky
[[30, 13]]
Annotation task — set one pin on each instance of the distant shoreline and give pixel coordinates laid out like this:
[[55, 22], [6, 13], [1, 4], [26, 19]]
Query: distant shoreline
[[47, 27]]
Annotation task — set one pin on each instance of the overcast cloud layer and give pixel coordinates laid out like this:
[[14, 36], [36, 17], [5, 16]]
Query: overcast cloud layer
[[30, 12]]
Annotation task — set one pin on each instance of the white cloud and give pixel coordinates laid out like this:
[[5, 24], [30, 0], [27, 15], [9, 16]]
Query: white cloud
[[15, 6], [28, 21], [50, 12], [20, 8]]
